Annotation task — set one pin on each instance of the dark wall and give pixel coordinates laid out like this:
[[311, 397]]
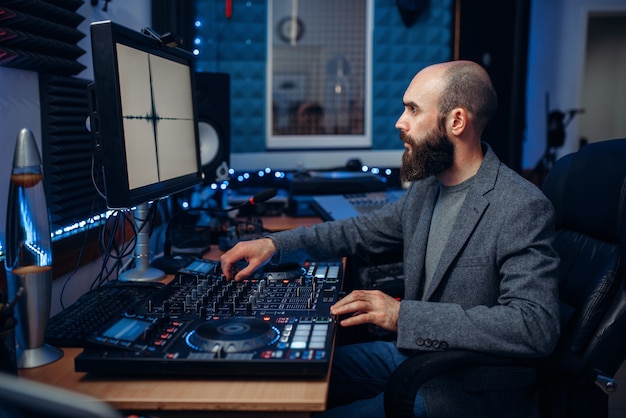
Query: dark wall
[[176, 17], [495, 34]]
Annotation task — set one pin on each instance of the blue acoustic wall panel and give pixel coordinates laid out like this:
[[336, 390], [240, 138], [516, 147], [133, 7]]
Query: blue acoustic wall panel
[[237, 45], [399, 52]]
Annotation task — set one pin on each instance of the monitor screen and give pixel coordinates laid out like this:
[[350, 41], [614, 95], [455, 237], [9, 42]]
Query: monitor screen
[[143, 117]]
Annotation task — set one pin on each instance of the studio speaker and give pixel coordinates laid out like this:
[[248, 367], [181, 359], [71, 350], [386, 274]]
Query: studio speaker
[[213, 100]]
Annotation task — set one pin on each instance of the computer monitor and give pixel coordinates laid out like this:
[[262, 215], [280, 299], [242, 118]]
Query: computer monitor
[[144, 117], [144, 122]]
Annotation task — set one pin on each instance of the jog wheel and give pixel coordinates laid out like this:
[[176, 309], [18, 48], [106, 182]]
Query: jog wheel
[[231, 335]]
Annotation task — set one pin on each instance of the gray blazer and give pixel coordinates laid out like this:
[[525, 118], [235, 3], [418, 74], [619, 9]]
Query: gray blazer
[[495, 289]]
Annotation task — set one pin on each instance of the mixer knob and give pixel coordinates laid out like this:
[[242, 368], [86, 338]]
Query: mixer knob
[[249, 308], [194, 294]]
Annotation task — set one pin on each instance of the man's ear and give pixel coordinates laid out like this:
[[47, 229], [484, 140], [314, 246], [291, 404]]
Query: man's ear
[[457, 121]]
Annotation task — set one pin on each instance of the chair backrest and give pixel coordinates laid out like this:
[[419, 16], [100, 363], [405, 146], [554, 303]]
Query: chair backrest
[[22, 398], [588, 191]]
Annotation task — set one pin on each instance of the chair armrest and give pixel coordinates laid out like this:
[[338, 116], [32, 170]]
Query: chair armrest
[[406, 380]]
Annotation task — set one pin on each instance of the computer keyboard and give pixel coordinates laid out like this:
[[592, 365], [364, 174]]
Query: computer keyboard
[[72, 326]]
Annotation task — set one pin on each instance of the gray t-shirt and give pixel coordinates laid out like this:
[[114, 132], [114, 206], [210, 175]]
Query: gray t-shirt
[[445, 213]]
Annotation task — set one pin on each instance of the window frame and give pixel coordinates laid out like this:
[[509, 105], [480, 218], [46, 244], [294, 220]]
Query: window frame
[[283, 142]]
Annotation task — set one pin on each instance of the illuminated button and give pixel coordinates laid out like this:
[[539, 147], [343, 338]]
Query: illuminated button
[[333, 272], [301, 334], [303, 330], [317, 344], [298, 345], [321, 272]]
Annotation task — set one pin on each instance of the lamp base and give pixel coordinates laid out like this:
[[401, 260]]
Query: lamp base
[[35, 357], [142, 275]]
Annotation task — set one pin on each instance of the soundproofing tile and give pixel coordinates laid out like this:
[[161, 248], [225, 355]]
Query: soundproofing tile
[[41, 36], [67, 150]]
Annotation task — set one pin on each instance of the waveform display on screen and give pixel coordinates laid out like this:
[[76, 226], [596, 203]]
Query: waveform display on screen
[[152, 116], [157, 113]]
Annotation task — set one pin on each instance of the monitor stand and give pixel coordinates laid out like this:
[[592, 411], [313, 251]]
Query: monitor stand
[[142, 272]]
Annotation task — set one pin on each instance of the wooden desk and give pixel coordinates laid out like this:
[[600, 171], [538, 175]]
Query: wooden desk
[[187, 396], [192, 396]]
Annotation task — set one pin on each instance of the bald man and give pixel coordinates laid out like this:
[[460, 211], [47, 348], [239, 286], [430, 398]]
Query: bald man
[[480, 270]]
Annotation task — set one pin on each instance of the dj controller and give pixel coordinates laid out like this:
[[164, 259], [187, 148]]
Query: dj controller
[[275, 323]]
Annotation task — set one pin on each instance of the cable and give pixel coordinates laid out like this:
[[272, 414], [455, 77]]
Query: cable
[[260, 197]]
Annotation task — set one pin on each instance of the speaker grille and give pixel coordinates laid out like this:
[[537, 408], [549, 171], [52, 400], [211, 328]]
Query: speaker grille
[[213, 99]]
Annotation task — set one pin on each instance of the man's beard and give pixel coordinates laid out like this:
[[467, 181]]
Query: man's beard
[[431, 155]]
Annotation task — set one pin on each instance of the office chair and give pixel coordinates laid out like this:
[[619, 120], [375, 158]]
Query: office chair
[[588, 191]]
